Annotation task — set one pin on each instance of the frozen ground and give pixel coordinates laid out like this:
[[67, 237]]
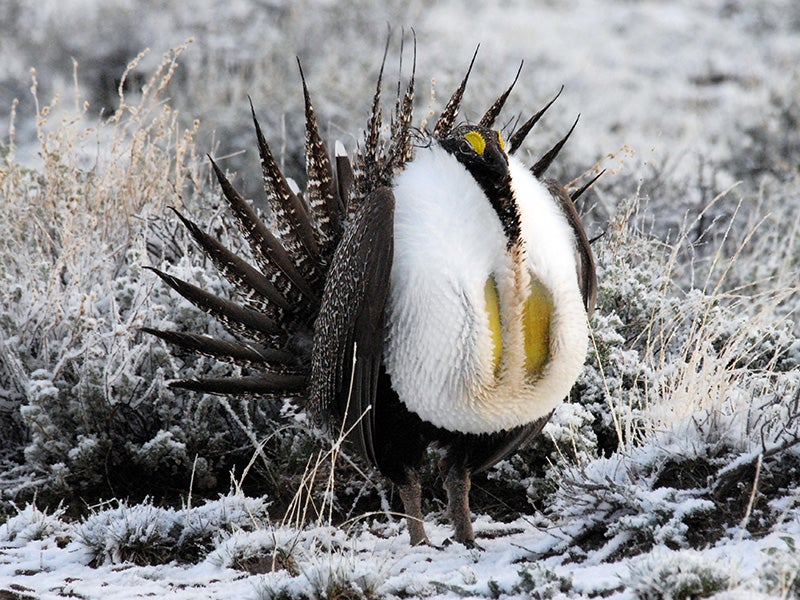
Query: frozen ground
[[680, 100], [379, 564]]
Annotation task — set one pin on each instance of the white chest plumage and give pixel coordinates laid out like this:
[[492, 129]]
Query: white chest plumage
[[440, 350]]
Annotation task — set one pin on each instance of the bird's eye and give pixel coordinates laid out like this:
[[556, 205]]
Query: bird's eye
[[475, 141]]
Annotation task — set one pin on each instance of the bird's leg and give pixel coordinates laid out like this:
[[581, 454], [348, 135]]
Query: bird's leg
[[411, 495], [457, 484]]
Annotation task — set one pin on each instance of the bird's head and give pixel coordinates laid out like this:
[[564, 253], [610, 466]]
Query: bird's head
[[482, 152]]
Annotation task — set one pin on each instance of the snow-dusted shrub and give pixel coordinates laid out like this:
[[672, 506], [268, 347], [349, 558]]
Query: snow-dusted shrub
[[75, 236], [31, 523], [681, 575], [340, 574], [780, 573], [301, 562], [93, 414], [146, 534], [538, 582], [264, 550], [618, 507]]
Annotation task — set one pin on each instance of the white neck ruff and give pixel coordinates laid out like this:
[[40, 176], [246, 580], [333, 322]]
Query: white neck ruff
[[448, 241]]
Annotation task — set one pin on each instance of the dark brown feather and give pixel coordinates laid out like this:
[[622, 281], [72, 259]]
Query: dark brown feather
[[278, 384], [271, 256], [237, 319], [448, 117], [515, 141], [325, 206], [257, 291], [236, 352], [587, 273], [491, 115], [579, 192], [543, 163]]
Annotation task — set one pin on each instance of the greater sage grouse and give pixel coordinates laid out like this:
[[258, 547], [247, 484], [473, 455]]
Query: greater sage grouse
[[434, 292]]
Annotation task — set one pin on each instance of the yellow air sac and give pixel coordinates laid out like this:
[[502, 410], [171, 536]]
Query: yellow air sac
[[537, 317], [495, 325]]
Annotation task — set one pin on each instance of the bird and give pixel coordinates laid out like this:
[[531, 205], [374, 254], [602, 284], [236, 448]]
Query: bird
[[432, 290]]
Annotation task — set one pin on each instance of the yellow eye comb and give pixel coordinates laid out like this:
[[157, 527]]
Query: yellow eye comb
[[476, 140]]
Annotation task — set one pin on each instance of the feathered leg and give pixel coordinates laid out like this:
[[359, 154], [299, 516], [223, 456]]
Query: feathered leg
[[457, 483], [411, 495]]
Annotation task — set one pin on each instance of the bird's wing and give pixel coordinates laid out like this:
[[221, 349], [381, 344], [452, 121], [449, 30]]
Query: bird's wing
[[348, 341], [587, 275]]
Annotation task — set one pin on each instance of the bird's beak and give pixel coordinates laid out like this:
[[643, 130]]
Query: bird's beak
[[496, 160]]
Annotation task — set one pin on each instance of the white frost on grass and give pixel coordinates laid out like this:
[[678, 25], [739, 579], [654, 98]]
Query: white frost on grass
[[323, 561]]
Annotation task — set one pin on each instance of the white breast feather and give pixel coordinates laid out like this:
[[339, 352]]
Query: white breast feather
[[447, 242]]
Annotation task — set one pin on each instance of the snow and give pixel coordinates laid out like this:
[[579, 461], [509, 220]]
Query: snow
[[658, 84], [52, 568]]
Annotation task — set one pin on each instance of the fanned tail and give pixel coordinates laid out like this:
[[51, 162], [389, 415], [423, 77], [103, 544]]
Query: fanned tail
[[277, 298]]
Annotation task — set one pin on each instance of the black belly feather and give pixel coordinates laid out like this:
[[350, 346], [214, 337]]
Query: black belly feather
[[405, 437]]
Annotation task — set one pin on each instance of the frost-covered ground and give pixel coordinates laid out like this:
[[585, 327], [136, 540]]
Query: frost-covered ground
[[324, 562], [675, 471]]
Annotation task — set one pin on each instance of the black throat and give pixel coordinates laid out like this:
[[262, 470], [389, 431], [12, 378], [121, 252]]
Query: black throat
[[501, 197], [481, 152]]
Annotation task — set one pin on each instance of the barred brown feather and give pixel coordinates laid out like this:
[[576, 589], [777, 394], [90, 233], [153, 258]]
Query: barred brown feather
[[291, 216], [270, 255], [323, 200], [237, 319], [244, 354], [490, 116], [448, 117], [254, 288]]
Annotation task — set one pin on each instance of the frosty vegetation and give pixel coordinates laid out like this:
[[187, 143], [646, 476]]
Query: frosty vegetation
[[677, 455]]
